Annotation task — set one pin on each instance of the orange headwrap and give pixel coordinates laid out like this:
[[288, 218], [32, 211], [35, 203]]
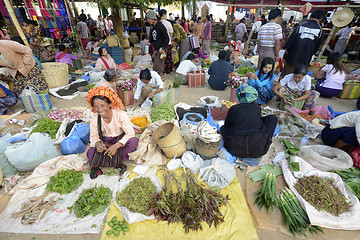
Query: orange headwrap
[[105, 92]]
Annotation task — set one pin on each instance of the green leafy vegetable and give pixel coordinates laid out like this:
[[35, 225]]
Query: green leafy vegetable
[[244, 70], [176, 84], [352, 179], [92, 201], [49, 126], [90, 86], [65, 181], [259, 175], [162, 112], [291, 150], [266, 195]]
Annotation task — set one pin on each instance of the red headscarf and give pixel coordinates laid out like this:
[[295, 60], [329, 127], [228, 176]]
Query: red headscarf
[[236, 47]]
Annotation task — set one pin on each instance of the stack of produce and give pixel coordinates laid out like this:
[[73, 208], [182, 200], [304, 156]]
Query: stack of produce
[[136, 196], [117, 226], [352, 179], [60, 115], [92, 201], [162, 112], [48, 126], [65, 181], [266, 195]]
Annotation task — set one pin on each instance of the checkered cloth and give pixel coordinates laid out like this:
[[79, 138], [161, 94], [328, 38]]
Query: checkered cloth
[[246, 94], [105, 92]]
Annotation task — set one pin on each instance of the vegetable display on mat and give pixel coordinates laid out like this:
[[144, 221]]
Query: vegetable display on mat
[[60, 115], [323, 195], [295, 218], [190, 206], [352, 179], [65, 181], [35, 208], [47, 125], [266, 195], [162, 112], [92, 201], [137, 195], [117, 226]]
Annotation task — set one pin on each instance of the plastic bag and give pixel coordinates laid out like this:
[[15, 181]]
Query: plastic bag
[[192, 161], [72, 145], [129, 216], [12, 129], [224, 154], [28, 155], [217, 172], [36, 116], [96, 76], [209, 102], [6, 167], [326, 158], [174, 164], [82, 131], [213, 57], [188, 130], [147, 104]]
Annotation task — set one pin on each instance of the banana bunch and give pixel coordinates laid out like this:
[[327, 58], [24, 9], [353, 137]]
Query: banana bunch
[[207, 133]]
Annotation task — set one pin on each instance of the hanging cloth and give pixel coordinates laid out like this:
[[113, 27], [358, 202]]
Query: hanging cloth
[[3, 9], [43, 9], [56, 7], [62, 8], [31, 9]]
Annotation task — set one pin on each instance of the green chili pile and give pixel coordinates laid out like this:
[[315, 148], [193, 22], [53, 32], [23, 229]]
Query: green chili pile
[[137, 195], [323, 195], [65, 181], [162, 112]]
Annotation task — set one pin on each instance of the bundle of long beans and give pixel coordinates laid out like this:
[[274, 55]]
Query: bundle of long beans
[[295, 218], [266, 195]]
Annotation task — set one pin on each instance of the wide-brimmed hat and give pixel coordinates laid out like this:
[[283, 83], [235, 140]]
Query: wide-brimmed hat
[[151, 14], [342, 17], [105, 92], [46, 42], [246, 94]]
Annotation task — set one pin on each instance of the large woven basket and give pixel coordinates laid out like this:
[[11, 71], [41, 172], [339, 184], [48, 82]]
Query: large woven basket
[[112, 41], [169, 139], [56, 74], [206, 150]]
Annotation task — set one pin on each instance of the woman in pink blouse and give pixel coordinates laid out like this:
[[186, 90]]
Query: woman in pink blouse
[[105, 61]]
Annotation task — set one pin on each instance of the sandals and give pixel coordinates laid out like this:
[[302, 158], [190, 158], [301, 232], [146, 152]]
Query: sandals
[[95, 172]]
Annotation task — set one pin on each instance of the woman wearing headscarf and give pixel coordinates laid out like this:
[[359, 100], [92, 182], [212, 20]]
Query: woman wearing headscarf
[[246, 134], [112, 136], [21, 65], [105, 61], [109, 79]]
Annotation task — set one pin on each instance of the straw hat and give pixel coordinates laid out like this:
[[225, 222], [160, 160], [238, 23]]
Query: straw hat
[[46, 42], [342, 17]]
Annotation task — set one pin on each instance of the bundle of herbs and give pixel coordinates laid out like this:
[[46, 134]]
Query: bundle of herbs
[[92, 201], [352, 179], [47, 125], [323, 194], [266, 195], [137, 195], [65, 181], [190, 206], [295, 218]]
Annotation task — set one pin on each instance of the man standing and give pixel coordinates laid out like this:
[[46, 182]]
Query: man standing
[[240, 30], [345, 34], [83, 32], [303, 43], [91, 25], [159, 38], [207, 35], [269, 37]]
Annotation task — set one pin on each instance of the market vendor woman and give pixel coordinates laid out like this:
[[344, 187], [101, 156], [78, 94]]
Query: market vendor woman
[[112, 136], [246, 134]]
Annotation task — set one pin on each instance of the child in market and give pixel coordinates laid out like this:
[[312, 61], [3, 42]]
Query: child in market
[[262, 80], [184, 68], [331, 77], [148, 81]]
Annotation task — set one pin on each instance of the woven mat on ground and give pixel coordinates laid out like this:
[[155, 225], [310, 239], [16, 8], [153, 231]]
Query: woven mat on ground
[[238, 221]]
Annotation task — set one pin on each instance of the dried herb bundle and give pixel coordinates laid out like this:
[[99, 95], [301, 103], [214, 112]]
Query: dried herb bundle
[[189, 206], [323, 195], [137, 195]]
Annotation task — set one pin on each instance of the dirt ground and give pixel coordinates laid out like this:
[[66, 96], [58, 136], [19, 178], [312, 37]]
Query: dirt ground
[[191, 96]]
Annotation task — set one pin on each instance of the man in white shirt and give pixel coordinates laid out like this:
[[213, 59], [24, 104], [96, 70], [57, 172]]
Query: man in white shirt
[[144, 87], [256, 26], [184, 68]]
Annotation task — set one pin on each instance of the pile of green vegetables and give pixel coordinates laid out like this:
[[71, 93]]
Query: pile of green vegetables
[[162, 112], [295, 218], [323, 194], [176, 84], [352, 179], [266, 195], [190, 206], [244, 70], [65, 181], [117, 226], [92, 201], [47, 125], [137, 195], [290, 151]]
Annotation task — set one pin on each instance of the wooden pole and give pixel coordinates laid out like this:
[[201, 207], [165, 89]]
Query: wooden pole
[[288, 6], [183, 9], [16, 22], [227, 21], [326, 43], [142, 23], [75, 11], [248, 42]]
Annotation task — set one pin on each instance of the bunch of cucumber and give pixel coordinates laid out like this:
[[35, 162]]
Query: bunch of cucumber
[[117, 226]]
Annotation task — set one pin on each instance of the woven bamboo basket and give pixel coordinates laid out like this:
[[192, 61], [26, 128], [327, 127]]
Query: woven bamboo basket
[[169, 139], [206, 150], [56, 74], [112, 41]]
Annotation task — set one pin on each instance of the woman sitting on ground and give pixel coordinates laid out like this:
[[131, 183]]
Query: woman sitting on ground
[[296, 87], [219, 72], [233, 54], [331, 77], [246, 134], [64, 56], [184, 68], [112, 136], [149, 84], [109, 79], [262, 80], [105, 61]]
